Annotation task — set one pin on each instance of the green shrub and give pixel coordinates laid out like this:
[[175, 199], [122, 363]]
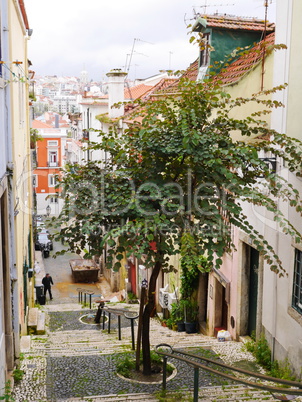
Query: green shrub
[[125, 365], [7, 396], [261, 351], [18, 374]]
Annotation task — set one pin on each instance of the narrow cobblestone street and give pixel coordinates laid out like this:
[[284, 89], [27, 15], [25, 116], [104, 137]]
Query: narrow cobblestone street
[[76, 361]]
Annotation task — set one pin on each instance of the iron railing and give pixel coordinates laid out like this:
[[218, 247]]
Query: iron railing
[[276, 391]]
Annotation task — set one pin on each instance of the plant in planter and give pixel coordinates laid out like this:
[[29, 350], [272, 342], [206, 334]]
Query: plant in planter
[[177, 314], [190, 315]]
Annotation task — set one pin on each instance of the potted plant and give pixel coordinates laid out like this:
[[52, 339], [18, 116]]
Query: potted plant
[[177, 314], [190, 315]]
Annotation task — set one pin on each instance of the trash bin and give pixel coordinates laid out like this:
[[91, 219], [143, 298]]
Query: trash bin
[[40, 298]]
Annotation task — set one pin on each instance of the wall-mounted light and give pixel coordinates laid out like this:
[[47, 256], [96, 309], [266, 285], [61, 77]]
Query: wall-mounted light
[[48, 210]]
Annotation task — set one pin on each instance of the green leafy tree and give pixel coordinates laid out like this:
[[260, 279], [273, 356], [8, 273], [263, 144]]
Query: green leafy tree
[[176, 171]]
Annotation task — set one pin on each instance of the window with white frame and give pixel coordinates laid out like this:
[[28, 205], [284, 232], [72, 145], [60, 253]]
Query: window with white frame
[[204, 56], [52, 180], [52, 143], [297, 283], [53, 158]]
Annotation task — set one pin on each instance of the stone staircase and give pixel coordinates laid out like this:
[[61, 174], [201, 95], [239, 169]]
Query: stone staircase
[[38, 346], [210, 394]]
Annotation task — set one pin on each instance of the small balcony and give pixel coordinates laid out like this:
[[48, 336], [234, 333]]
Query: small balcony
[[53, 164]]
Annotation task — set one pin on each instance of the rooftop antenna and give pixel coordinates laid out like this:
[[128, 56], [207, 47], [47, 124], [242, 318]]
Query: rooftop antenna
[[205, 5], [127, 68]]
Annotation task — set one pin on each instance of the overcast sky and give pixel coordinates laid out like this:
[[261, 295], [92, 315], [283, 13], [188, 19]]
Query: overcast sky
[[99, 35]]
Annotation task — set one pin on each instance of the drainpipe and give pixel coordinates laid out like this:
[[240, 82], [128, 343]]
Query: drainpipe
[[88, 135]]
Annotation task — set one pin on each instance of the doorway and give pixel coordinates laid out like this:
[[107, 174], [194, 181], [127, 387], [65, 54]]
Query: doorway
[[253, 289], [221, 306]]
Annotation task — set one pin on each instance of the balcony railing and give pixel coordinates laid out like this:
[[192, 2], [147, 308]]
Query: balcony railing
[[53, 164]]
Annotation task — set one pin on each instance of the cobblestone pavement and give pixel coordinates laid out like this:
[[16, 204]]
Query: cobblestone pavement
[[76, 360]]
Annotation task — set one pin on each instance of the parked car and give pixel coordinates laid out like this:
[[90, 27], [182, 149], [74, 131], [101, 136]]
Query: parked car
[[43, 241]]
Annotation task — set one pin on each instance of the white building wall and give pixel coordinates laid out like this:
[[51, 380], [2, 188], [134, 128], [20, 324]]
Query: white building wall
[[281, 322]]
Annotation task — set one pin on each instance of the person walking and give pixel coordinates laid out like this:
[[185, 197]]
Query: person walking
[[47, 282]]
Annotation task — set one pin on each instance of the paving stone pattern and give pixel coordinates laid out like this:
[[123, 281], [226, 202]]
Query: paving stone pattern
[[70, 320], [78, 364], [96, 375], [75, 362]]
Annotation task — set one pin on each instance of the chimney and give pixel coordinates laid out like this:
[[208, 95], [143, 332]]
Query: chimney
[[116, 91], [57, 125]]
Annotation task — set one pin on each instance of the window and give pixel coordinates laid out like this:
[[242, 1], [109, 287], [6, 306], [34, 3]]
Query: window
[[52, 143], [297, 285], [204, 56], [53, 158], [54, 199], [52, 180]]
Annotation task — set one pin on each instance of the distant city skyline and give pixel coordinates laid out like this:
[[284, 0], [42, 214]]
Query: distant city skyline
[[71, 36]]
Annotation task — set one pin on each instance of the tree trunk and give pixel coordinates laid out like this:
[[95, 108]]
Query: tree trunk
[[146, 319], [139, 327]]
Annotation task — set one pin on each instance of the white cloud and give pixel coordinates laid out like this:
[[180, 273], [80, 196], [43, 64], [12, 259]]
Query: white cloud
[[69, 35]]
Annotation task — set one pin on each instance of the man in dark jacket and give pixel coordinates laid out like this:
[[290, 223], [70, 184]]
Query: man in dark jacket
[[47, 282]]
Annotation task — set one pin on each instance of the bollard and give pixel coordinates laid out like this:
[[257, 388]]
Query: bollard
[[132, 333], [196, 377], [119, 327]]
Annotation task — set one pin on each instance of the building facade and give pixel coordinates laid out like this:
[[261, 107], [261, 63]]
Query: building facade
[[16, 250]]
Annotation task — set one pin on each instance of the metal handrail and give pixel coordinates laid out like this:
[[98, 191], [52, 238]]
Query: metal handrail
[[175, 354], [118, 312], [82, 291]]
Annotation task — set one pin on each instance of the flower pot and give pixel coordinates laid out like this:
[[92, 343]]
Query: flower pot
[[191, 327], [181, 327]]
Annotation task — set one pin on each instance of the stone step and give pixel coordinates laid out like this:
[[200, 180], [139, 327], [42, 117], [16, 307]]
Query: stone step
[[41, 323], [207, 394], [233, 393], [113, 398], [32, 320]]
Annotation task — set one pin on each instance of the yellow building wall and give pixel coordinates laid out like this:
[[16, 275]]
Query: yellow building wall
[[22, 170], [249, 85]]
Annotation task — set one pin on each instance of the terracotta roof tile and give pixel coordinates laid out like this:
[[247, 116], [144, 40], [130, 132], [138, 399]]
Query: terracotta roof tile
[[40, 124], [236, 23], [137, 91], [160, 86]]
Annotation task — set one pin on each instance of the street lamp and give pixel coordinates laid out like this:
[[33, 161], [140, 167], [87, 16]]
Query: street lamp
[[48, 210]]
